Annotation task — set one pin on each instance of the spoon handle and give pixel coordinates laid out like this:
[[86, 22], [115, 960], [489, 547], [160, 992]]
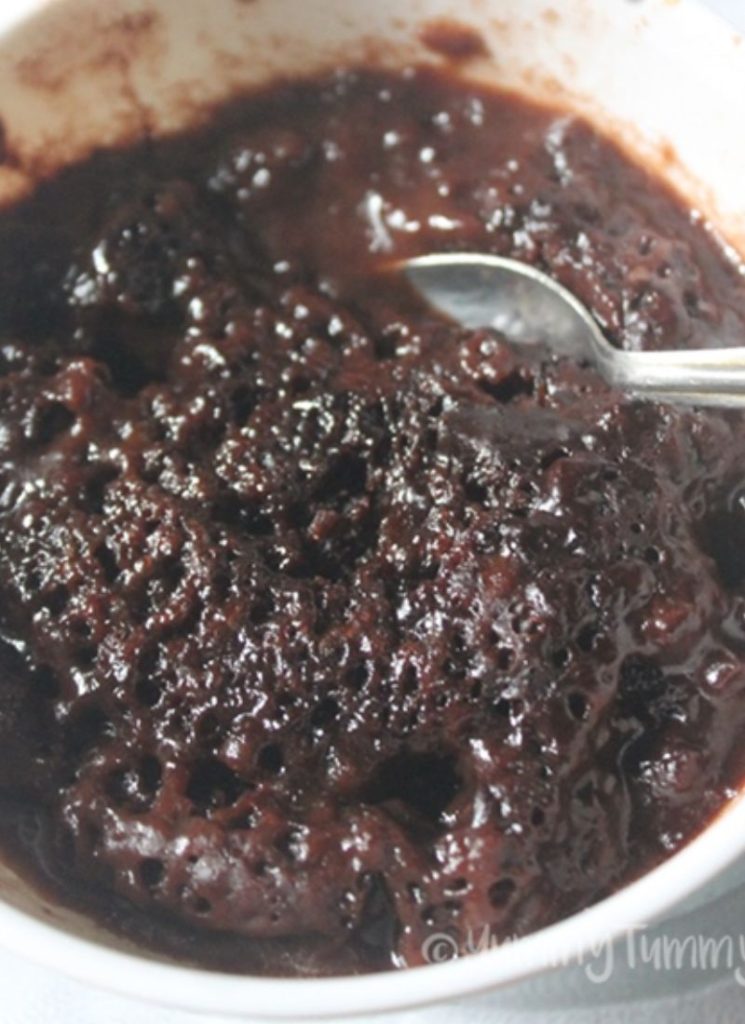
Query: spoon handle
[[708, 377]]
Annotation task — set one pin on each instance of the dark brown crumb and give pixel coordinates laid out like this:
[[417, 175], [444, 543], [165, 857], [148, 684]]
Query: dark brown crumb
[[324, 625]]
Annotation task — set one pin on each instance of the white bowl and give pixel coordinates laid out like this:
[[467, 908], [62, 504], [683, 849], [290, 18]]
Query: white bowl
[[667, 76]]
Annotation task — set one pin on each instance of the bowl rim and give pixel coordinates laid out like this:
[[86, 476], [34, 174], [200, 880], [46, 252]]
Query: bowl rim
[[570, 941]]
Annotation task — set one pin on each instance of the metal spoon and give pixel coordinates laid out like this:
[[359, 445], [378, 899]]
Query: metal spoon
[[527, 306]]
